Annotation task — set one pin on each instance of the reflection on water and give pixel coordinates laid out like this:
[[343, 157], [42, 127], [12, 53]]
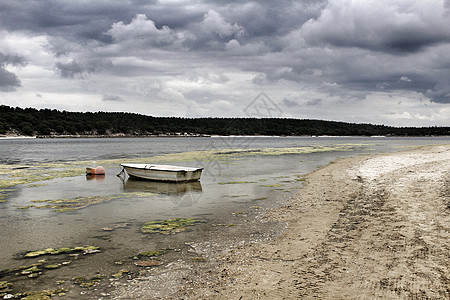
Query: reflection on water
[[170, 188], [95, 177]]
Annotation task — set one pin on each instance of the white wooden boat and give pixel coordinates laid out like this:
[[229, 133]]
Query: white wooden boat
[[163, 172]]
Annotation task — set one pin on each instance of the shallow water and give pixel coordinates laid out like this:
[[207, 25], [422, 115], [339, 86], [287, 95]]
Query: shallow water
[[242, 175]]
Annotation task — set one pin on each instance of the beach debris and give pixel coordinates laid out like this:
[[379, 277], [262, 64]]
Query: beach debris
[[34, 275], [198, 259], [238, 213], [91, 251], [171, 226], [148, 263], [121, 273]]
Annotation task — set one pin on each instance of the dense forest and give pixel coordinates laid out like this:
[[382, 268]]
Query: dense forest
[[51, 122]]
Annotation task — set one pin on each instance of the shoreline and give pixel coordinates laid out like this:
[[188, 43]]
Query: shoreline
[[372, 226], [99, 136]]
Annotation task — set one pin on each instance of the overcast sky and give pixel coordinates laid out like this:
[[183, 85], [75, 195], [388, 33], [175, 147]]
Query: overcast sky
[[380, 61]]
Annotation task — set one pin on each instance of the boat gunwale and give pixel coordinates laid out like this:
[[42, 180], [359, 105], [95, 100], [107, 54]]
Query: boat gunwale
[[194, 169]]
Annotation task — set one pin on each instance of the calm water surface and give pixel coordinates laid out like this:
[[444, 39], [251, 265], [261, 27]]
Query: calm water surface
[[264, 181]]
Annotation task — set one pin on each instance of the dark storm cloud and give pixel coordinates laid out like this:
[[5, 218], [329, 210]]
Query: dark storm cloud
[[397, 28], [8, 80], [70, 70], [8, 59], [72, 19], [75, 69], [211, 24], [367, 46], [270, 18]]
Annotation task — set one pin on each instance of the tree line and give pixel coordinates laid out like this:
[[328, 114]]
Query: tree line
[[52, 122]]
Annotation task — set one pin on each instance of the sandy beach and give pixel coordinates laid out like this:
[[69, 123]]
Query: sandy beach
[[368, 227]]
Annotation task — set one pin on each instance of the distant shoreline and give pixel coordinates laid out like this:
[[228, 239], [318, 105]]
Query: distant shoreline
[[54, 123], [67, 136]]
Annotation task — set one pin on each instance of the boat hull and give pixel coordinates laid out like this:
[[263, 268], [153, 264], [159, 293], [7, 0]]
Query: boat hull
[[163, 172]]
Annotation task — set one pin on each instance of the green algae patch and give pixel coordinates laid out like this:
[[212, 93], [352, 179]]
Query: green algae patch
[[37, 185], [50, 267], [64, 250], [89, 283], [33, 269], [74, 204], [23, 270], [5, 288], [273, 185], [152, 253], [171, 226], [5, 194], [121, 273], [43, 295], [4, 285], [38, 173]]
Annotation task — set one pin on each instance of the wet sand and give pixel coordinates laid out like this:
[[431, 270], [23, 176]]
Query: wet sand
[[360, 228]]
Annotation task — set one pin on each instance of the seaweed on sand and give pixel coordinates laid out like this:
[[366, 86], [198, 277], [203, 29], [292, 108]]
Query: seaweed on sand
[[170, 226], [55, 251]]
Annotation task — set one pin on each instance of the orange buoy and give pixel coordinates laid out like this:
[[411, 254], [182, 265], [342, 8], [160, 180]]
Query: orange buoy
[[95, 171]]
